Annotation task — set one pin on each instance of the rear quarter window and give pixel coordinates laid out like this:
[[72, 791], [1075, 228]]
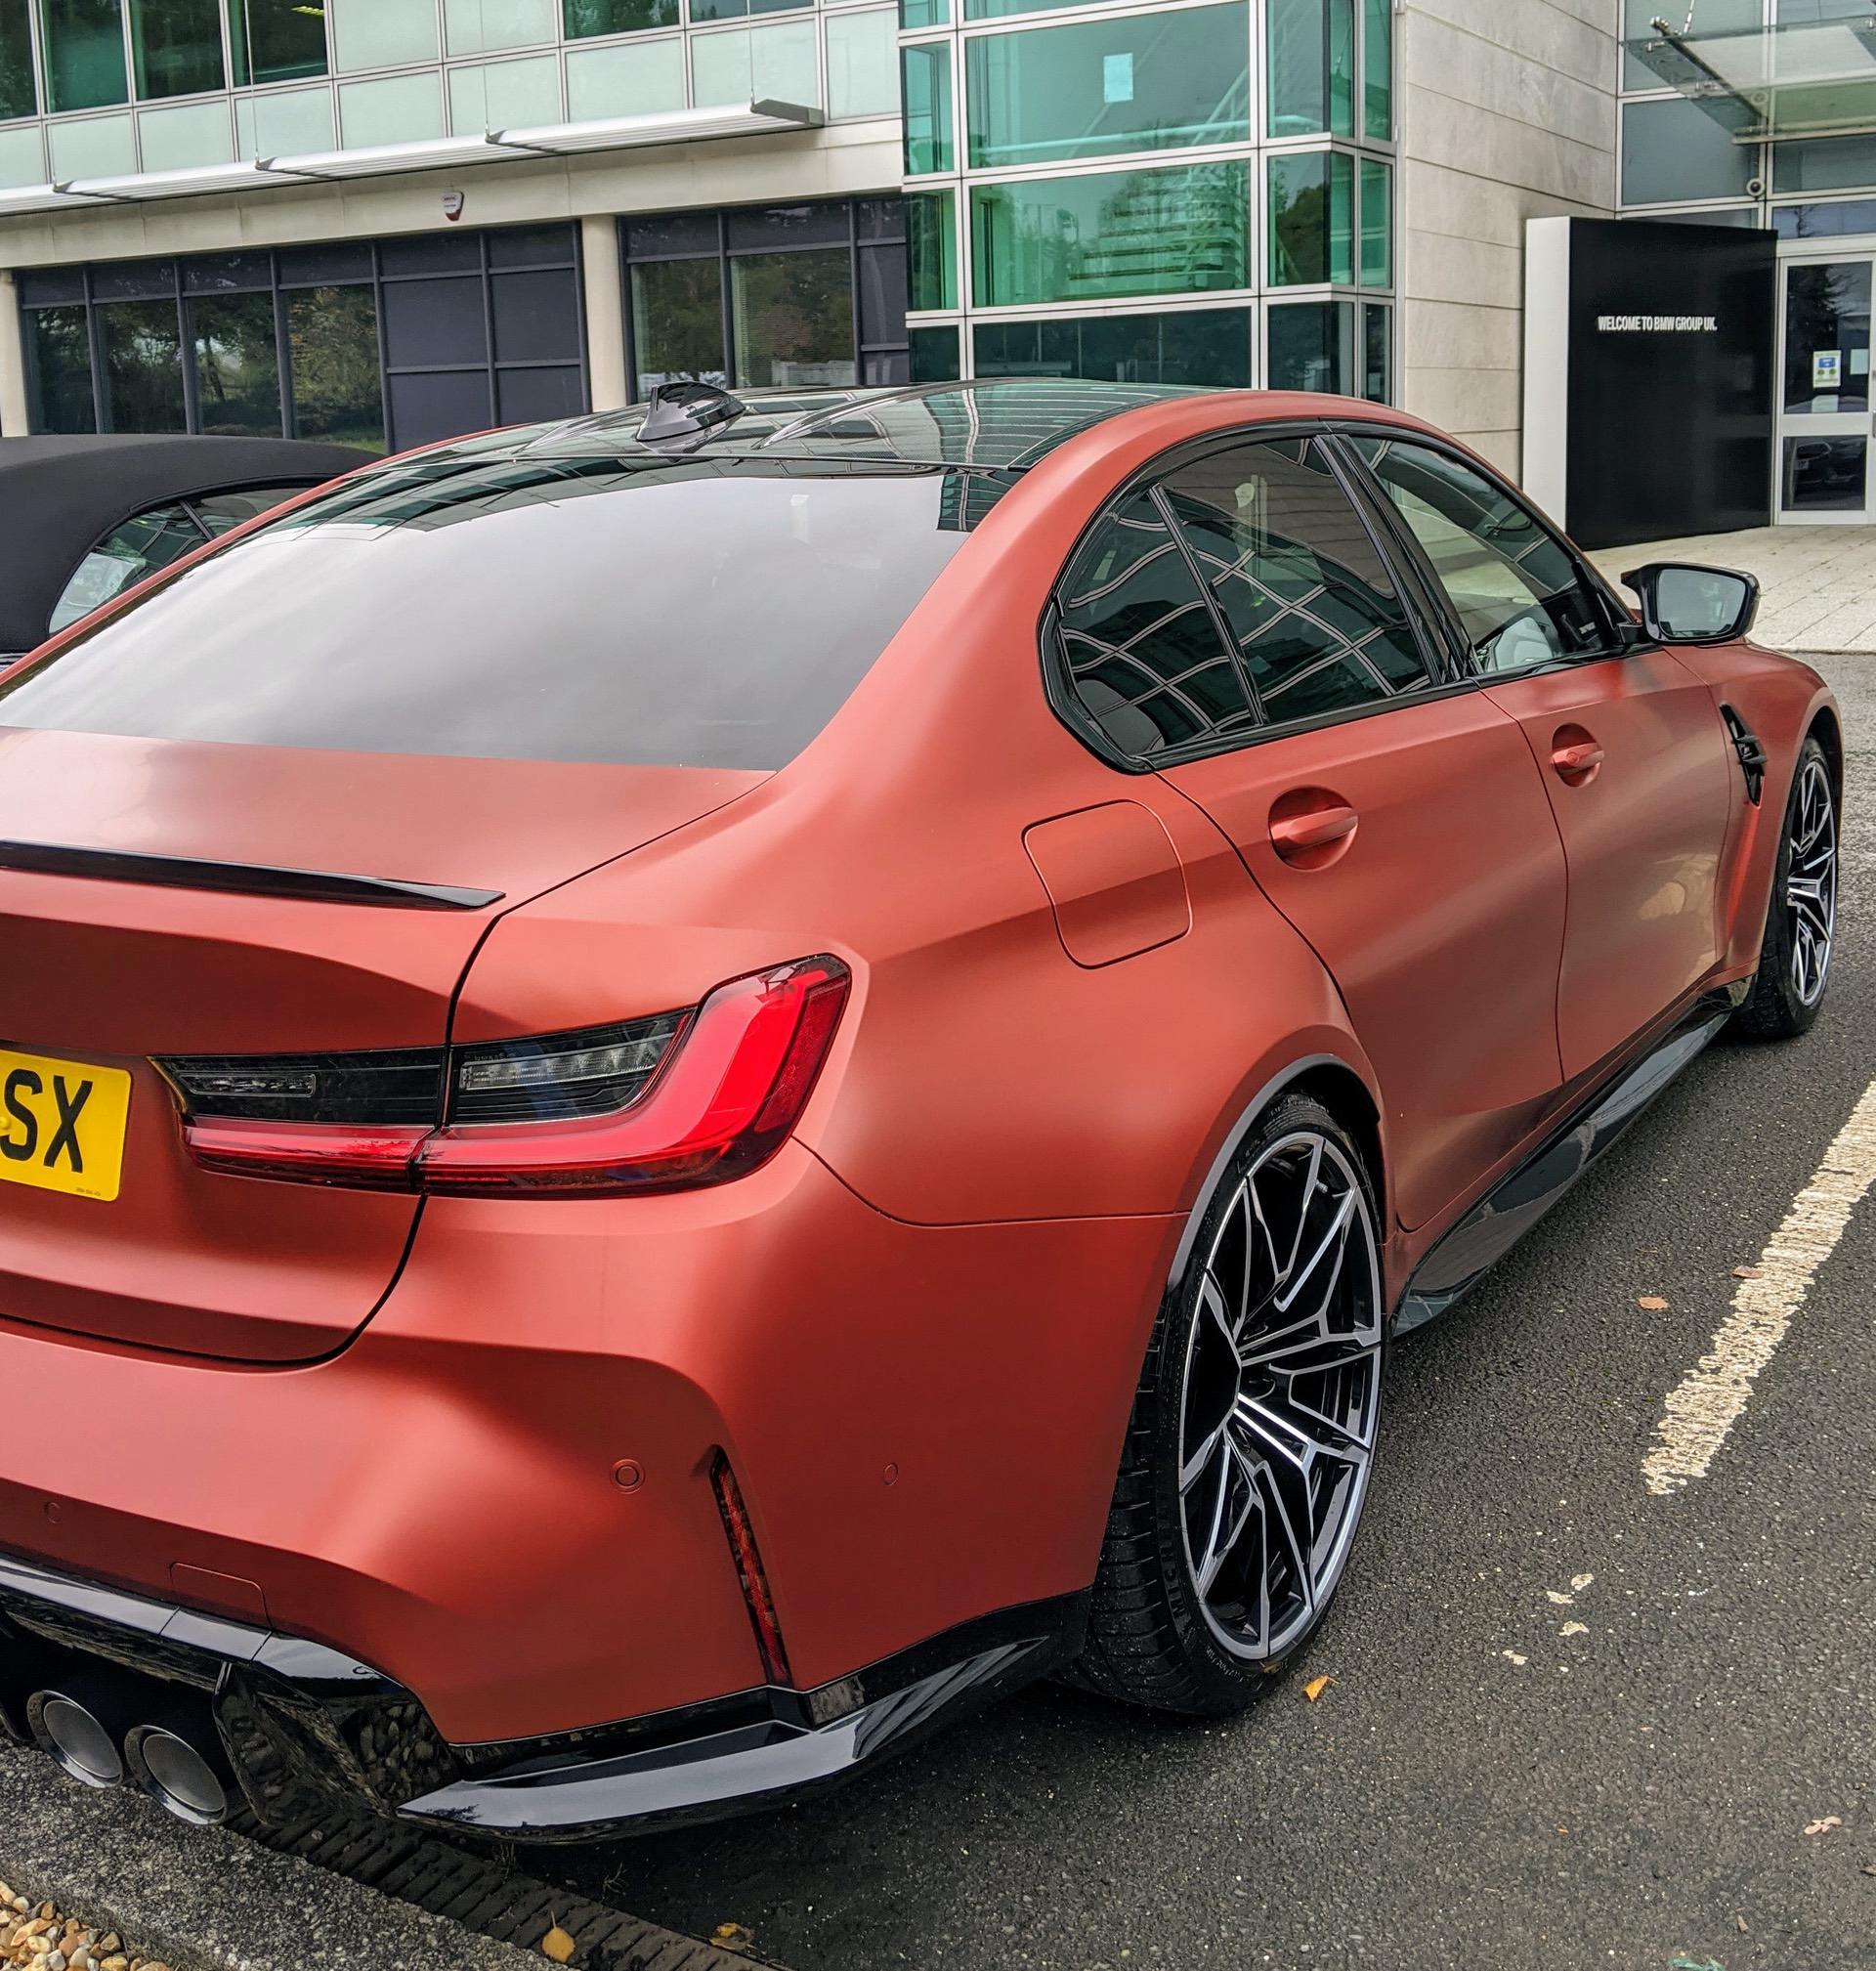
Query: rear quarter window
[[671, 613]]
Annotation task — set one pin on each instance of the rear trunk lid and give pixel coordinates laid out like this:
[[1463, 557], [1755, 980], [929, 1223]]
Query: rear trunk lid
[[223, 954]]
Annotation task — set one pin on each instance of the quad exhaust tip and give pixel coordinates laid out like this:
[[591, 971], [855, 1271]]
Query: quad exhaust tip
[[91, 1731], [65, 1726], [178, 1772]]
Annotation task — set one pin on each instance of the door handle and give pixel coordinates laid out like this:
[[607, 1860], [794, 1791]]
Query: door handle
[[1296, 835], [1577, 762]]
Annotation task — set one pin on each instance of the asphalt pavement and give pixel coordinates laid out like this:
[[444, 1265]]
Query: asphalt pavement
[[1475, 1789]]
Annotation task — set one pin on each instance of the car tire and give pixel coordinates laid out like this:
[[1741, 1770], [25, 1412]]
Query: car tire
[[1801, 919], [1247, 1454]]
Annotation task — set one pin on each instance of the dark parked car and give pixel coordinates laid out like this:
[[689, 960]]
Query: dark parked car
[[86, 517]]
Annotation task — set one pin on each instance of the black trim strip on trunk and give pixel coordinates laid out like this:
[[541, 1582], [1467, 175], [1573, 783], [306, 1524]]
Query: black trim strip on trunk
[[250, 878]]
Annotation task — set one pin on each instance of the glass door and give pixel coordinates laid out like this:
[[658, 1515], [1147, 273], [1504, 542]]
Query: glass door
[[1824, 422]]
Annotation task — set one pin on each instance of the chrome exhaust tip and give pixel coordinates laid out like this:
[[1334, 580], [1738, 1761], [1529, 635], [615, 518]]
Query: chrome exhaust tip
[[179, 1766], [65, 1726]]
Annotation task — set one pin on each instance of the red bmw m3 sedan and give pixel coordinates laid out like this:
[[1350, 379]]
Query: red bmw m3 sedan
[[706, 1083]]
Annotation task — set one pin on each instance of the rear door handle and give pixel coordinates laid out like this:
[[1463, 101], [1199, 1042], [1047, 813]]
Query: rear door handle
[[1578, 760], [1295, 835]]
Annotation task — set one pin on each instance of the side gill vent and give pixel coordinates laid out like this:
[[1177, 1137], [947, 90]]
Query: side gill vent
[[1751, 751]]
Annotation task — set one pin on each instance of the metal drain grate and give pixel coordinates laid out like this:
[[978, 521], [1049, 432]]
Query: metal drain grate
[[478, 1892]]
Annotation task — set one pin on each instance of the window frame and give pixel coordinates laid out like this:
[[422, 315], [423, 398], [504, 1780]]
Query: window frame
[[1458, 645], [856, 244], [1057, 680], [273, 274]]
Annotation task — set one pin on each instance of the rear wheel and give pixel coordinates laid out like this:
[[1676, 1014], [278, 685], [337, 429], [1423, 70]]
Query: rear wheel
[[1800, 923], [1253, 1434]]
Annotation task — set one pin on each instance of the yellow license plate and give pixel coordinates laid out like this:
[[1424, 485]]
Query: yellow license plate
[[63, 1124]]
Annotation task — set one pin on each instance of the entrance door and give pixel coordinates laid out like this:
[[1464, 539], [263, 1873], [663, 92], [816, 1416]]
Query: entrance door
[[1824, 424]]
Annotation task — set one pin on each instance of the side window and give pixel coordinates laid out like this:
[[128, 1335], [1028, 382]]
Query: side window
[[1317, 622], [127, 553], [1142, 650], [221, 511], [1515, 587]]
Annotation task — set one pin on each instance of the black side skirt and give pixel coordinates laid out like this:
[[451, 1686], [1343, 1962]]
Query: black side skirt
[[1515, 1203]]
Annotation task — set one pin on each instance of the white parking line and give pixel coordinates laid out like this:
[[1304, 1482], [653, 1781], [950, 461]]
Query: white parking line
[[1709, 1402]]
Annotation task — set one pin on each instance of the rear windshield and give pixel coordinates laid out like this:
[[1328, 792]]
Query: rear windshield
[[664, 615]]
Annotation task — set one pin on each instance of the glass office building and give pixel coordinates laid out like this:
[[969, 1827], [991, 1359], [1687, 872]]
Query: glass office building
[[392, 220], [389, 220]]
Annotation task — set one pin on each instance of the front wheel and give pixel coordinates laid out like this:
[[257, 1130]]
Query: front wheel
[[1801, 923], [1253, 1435]]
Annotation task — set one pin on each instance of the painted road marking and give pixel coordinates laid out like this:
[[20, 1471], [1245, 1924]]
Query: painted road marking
[[1703, 1409]]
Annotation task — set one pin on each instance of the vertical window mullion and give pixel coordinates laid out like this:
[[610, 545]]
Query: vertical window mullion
[[186, 356], [384, 346], [94, 343], [632, 392], [282, 347], [724, 295], [853, 276], [489, 330]]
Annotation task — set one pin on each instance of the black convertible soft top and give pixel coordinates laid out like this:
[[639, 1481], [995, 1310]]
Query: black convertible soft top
[[59, 495]]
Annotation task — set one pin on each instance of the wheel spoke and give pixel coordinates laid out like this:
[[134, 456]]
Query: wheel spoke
[[1315, 1353], [1331, 1242], [1298, 1550], [1193, 1469], [1284, 1429]]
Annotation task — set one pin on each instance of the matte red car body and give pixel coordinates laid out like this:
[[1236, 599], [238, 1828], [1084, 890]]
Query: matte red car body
[[916, 1333]]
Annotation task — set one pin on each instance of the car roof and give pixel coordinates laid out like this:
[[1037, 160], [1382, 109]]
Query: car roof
[[1002, 424], [62, 494]]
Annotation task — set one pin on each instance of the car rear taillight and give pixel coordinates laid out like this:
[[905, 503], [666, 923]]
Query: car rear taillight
[[678, 1100]]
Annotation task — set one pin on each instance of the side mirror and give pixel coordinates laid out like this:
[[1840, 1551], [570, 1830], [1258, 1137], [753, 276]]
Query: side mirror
[[1684, 604]]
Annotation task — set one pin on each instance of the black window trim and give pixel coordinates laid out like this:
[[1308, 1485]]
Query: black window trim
[[1057, 683], [1458, 645]]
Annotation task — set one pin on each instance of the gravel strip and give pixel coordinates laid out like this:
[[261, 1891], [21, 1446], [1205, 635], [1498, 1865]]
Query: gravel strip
[[47, 1939], [202, 1898]]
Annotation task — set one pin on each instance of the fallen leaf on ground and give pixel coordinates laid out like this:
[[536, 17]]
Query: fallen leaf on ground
[[557, 1945], [1651, 1304], [1824, 1825], [1869, 1868], [1316, 1687], [1748, 1272], [1562, 1600], [1512, 1656], [1574, 1629], [1578, 1582], [1741, 1921], [731, 1936]]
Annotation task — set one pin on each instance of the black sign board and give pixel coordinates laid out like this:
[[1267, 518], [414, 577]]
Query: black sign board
[[1671, 345]]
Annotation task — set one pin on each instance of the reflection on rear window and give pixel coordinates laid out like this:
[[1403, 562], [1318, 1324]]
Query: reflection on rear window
[[674, 614]]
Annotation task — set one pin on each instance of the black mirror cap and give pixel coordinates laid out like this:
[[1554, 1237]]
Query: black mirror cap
[[1646, 584]]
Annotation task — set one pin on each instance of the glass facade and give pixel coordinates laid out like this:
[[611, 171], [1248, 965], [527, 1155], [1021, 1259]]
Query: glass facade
[[382, 344], [1704, 159], [106, 88], [1153, 190], [782, 296], [1134, 83], [1172, 190]]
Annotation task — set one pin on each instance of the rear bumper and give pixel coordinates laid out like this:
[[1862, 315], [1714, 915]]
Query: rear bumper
[[300, 1722], [497, 1496]]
